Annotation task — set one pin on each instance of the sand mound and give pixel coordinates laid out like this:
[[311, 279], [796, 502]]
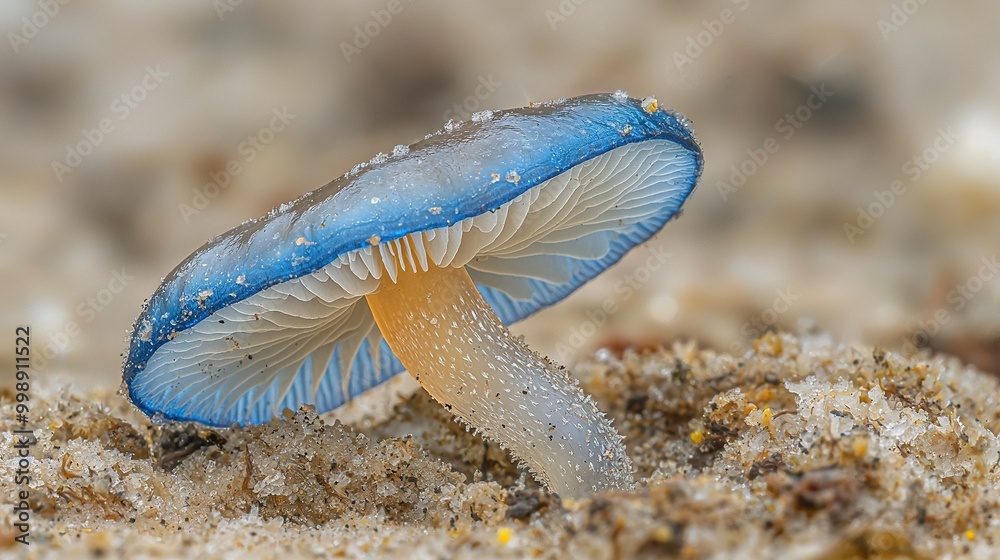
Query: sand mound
[[798, 449]]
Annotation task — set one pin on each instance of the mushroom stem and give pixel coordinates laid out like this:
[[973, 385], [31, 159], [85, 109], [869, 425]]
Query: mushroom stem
[[452, 342]]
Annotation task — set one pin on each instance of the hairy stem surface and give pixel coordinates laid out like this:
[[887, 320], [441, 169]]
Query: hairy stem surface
[[452, 342]]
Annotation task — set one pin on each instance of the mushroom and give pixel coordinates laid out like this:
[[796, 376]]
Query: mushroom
[[417, 261]]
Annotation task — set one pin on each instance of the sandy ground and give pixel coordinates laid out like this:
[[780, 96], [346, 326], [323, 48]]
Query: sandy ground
[[795, 449]]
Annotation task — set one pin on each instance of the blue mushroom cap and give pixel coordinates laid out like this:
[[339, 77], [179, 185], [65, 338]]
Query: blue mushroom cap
[[192, 350]]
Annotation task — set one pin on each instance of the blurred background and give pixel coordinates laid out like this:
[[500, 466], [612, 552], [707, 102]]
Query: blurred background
[[852, 154]]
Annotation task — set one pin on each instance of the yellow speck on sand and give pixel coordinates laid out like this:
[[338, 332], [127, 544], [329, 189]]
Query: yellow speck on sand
[[970, 534], [503, 535], [766, 419], [697, 436], [860, 446], [661, 534]]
